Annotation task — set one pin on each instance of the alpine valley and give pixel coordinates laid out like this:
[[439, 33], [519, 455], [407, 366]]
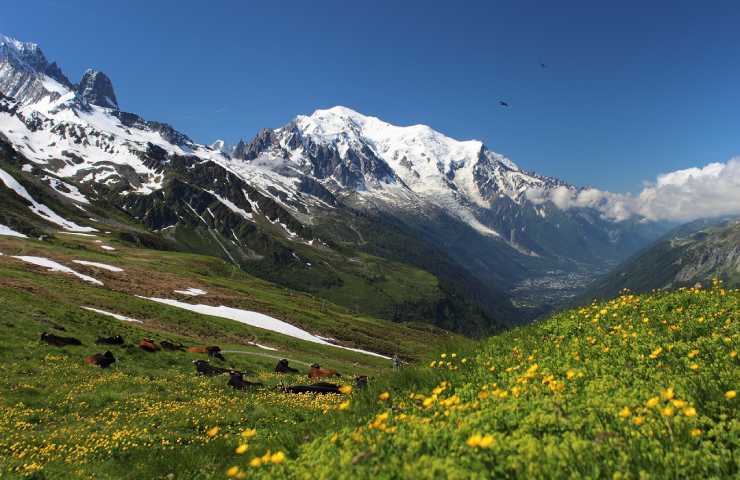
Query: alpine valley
[[401, 223]]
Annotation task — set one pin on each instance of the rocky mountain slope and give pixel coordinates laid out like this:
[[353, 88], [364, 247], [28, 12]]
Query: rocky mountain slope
[[336, 203], [694, 253]]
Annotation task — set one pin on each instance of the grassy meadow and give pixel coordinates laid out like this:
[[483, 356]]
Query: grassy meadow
[[635, 387]]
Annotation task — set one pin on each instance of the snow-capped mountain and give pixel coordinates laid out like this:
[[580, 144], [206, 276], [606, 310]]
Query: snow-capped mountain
[[333, 177]]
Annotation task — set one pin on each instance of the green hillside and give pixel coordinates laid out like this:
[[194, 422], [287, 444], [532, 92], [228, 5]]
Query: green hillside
[[695, 252], [636, 387]]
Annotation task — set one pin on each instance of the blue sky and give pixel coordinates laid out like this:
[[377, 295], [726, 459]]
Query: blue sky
[[631, 90]]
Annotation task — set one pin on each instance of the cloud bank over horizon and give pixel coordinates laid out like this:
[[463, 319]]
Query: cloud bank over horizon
[[680, 196]]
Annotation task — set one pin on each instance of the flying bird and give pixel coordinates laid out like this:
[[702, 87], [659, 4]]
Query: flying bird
[[503, 104], [543, 65]]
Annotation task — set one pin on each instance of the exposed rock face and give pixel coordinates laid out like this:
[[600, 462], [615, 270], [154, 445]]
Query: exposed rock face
[[97, 89], [26, 75]]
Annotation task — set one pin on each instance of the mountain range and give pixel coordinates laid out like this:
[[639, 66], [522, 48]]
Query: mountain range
[[402, 222]]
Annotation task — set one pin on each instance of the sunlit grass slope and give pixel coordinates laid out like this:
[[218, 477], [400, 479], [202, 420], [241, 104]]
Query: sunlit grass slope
[[637, 387]]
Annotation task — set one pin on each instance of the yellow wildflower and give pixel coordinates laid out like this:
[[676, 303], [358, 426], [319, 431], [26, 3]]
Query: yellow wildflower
[[652, 402], [241, 448], [656, 352], [232, 472], [730, 394], [213, 432], [249, 433], [344, 405], [474, 440], [666, 393], [638, 421], [667, 412], [679, 403], [625, 412], [696, 432], [486, 441], [689, 412], [278, 457], [384, 396], [345, 389], [693, 353], [255, 462]]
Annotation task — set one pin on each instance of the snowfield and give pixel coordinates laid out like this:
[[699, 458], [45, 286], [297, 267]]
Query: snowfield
[[193, 292], [103, 266], [7, 231], [57, 267], [40, 209], [114, 315], [255, 319]]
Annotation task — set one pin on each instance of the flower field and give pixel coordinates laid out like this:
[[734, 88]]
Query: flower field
[[637, 387]]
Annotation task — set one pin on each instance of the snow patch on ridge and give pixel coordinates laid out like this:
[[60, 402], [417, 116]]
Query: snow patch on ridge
[[38, 208], [57, 267], [254, 319]]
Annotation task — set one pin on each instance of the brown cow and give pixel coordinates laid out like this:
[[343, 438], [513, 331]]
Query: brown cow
[[103, 360], [148, 345], [318, 372], [213, 351]]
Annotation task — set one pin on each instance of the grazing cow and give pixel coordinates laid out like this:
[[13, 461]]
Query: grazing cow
[[57, 341], [205, 368], [283, 367], [116, 340], [236, 380], [148, 345], [318, 372], [215, 352], [172, 347], [321, 387], [103, 360], [211, 351]]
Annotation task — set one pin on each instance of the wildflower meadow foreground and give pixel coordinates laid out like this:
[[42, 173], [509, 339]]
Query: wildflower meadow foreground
[[636, 387]]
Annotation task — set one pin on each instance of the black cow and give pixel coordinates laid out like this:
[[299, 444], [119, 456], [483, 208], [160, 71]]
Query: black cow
[[283, 367], [321, 387], [57, 341], [205, 368], [236, 380], [172, 347], [215, 352], [115, 340], [103, 360]]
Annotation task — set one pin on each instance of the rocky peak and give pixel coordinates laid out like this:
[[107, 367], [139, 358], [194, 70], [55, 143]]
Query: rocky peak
[[97, 89]]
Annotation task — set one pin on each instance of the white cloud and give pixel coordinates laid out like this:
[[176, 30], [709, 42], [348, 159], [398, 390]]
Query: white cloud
[[683, 195]]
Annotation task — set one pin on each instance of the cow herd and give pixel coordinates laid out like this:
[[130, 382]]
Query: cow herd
[[202, 367]]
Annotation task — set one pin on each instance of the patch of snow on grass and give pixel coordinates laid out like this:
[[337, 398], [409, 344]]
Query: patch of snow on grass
[[263, 347], [114, 315], [109, 248], [110, 268], [255, 319], [57, 267], [7, 231], [193, 292]]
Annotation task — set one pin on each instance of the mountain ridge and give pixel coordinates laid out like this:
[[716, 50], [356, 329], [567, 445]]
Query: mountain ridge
[[290, 195]]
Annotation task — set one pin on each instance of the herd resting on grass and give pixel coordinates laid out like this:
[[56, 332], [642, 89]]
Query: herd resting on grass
[[203, 367]]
